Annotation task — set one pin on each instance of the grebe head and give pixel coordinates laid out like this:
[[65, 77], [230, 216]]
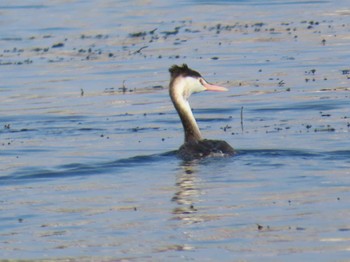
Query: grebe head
[[184, 82], [188, 81]]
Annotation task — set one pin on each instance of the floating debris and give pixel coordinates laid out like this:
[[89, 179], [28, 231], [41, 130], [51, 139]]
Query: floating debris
[[325, 129], [138, 34], [139, 50], [57, 45], [345, 71], [158, 87], [109, 90], [123, 88], [260, 227], [174, 32]]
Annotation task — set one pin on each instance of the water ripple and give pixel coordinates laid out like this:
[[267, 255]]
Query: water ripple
[[253, 157], [83, 169]]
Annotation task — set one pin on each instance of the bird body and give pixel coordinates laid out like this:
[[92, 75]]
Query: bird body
[[205, 148], [184, 82]]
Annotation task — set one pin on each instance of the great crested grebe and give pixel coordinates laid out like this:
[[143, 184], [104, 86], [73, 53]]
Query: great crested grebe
[[184, 82]]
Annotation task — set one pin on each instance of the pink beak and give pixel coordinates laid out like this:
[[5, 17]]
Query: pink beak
[[215, 88]]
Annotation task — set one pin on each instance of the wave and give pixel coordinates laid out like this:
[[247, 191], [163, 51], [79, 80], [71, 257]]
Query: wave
[[82, 169], [257, 157]]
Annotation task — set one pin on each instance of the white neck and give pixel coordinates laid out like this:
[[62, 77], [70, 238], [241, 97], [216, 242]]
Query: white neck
[[179, 96]]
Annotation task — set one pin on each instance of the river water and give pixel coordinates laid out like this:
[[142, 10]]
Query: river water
[[88, 132]]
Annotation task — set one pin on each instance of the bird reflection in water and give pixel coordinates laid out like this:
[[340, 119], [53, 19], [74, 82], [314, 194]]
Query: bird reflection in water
[[187, 194]]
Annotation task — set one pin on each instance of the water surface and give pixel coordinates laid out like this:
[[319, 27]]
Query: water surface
[[88, 132]]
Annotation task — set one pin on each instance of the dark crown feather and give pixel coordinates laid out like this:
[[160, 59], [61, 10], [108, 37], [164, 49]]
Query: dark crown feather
[[183, 70]]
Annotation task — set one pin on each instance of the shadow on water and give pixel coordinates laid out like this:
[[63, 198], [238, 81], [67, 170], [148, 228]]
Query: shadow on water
[[82, 169], [256, 157]]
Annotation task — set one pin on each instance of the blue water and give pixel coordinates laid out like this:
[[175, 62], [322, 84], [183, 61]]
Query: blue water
[[88, 133]]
